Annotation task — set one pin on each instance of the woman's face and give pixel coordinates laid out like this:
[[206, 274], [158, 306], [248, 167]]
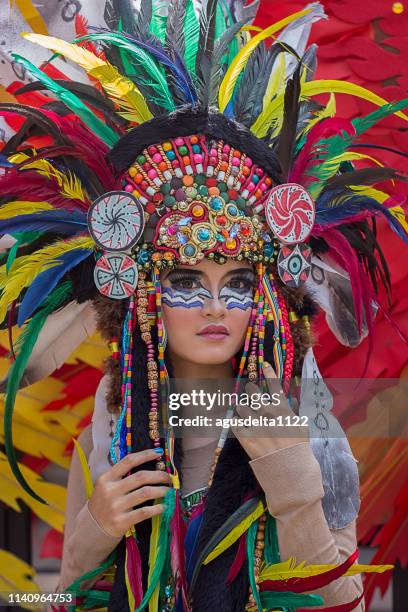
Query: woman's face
[[206, 310]]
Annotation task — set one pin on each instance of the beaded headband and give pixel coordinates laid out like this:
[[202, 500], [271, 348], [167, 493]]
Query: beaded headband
[[191, 198]]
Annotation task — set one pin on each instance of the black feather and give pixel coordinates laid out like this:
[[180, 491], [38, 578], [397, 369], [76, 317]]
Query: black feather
[[205, 52], [366, 176], [287, 137]]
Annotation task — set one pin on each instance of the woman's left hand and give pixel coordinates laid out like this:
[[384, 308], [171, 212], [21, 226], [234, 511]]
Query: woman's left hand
[[252, 438]]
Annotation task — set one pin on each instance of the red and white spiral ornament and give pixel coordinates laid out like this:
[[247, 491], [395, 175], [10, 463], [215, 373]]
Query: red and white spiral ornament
[[290, 213]]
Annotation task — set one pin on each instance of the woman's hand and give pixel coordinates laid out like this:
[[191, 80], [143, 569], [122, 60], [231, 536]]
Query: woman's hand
[[115, 495], [251, 438]]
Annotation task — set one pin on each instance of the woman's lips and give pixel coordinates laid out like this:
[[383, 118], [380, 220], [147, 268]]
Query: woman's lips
[[214, 332]]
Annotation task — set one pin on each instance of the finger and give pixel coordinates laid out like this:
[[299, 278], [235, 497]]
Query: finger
[[141, 514], [133, 460], [143, 495], [274, 388], [142, 478]]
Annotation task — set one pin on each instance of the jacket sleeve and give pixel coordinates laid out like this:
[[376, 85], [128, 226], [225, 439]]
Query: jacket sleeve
[[292, 482], [86, 545]]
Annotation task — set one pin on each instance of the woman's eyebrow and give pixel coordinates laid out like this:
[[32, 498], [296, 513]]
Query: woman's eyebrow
[[240, 272], [186, 270]]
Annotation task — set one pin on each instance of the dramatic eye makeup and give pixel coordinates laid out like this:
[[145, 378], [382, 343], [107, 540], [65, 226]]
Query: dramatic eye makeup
[[186, 289], [238, 290]]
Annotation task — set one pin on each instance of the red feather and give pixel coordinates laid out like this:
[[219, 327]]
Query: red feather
[[238, 561], [134, 569], [177, 553], [81, 29], [311, 583]]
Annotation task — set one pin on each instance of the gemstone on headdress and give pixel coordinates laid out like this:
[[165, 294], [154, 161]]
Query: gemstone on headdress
[[294, 264], [116, 275], [216, 203], [290, 213], [116, 221]]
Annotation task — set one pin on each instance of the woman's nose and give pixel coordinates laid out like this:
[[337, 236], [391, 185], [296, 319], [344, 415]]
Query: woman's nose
[[214, 307]]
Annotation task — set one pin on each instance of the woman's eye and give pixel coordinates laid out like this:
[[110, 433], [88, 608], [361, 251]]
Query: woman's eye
[[185, 283], [240, 283]]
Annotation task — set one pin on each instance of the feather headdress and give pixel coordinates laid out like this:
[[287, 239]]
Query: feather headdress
[[196, 136]]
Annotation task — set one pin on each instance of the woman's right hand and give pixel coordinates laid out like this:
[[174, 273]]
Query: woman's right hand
[[113, 501]]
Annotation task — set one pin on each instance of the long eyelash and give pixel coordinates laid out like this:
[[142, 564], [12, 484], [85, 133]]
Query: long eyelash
[[246, 277], [176, 277]]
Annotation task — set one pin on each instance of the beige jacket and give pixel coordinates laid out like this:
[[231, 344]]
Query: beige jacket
[[301, 525]]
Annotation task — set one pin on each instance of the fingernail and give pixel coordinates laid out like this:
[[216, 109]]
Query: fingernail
[[266, 365], [159, 451]]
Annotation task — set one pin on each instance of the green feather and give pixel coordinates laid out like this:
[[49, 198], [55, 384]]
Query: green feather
[[362, 124], [158, 22], [191, 36], [163, 547], [143, 59], [271, 550], [25, 345], [333, 147], [22, 238], [250, 541], [104, 132], [290, 601], [90, 594]]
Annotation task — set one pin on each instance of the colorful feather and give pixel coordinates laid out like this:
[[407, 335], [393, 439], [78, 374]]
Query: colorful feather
[[22, 207], [58, 221], [133, 571], [86, 472], [25, 269], [314, 88], [72, 101], [177, 553], [148, 52], [119, 88], [238, 561], [154, 541], [235, 533], [289, 601], [162, 548], [250, 542], [26, 344], [239, 62], [45, 282]]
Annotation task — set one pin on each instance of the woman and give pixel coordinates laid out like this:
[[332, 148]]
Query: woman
[[284, 468], [211, 230]]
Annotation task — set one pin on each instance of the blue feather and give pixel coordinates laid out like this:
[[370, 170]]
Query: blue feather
[[47, 281], [329, 212], [4, 162], [155, 48], [58, 221]]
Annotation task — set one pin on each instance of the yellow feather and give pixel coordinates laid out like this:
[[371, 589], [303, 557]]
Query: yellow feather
[[289, 569], [399, 214], [25, 269], [154, 539], [69, 184], [21, 207], [235, 533], [314, 88], [121, 89], [86, 472], [240, 60], [11, 491], [17, 577], [370, 192]]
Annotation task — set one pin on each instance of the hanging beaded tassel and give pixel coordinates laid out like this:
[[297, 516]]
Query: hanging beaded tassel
[[123, 430], [163, 376], [290, 348], [253, 354], [152, 373]]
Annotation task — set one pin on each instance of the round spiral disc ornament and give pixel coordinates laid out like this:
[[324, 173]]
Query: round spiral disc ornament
[[116, 275], [116, 221], [290, 213]]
